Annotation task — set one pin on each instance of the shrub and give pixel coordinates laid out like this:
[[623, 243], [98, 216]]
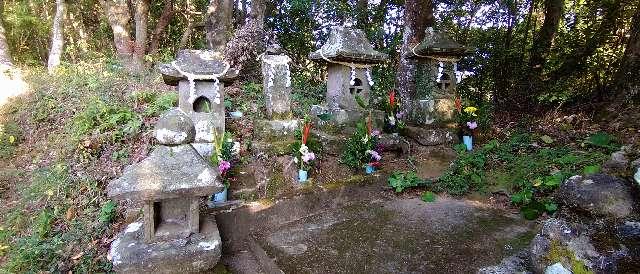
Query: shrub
[[100, 117]]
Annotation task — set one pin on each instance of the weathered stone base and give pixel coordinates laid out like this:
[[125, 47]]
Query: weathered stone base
[[276, 129], [434, 112], [340, 119], [196, 253], [430, 137]]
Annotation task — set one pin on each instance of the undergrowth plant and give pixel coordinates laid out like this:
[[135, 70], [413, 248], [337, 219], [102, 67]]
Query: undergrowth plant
[[528, 173]]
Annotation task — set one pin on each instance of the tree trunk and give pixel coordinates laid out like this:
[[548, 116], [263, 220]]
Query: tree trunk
[[161, 26], [57, 37], [141, 18], [626, 81], [542, 43], [248, 41], [362, 14], [117, 12], [5, 54], [418, 16], [218, 23]]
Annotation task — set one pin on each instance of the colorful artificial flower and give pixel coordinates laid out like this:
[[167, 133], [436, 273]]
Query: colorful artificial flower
[[472, 125], [224, 166], [304, 149], [305, 132], [471, 110], [392, 99], [308, 157], [400, 114], [375, 132], [459, 104], [374, 155]]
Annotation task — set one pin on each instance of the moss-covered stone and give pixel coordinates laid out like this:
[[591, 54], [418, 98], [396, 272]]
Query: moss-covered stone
[[560, 253]]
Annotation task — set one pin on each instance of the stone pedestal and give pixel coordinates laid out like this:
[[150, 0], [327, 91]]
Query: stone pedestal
[[277, 95], [197, 252]]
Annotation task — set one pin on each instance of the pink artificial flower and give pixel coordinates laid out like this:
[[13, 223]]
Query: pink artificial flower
[[472, 125], [308, 157], [375, 132], [224, 166], [374, 155], [400, 114]]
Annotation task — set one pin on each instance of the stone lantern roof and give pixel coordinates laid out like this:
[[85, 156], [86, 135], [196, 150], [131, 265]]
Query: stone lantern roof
[[169, 172], [438, 44], [196, 62], [346, 44]]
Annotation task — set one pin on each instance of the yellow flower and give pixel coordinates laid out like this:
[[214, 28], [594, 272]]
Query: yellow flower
[[471, 110], [12, 139]]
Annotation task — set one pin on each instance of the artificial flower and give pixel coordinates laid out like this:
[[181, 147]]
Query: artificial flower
[[392, 99], [459, 104], [400, 114], [236, 148], [224, 166], [305, 132], [374, 155], [375, 132], [365, 139], [304, 149], [392, 120], [471, 110], [308, 157], [472, 125]]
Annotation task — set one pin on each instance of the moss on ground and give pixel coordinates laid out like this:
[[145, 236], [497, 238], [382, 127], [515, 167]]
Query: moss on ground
[[560, 253]]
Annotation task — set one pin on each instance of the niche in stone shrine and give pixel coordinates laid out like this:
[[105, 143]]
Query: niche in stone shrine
[[356, 88], [202, 104], [444, 81]]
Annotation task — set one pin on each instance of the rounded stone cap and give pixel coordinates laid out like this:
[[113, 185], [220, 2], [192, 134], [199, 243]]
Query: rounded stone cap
[[174, 127]]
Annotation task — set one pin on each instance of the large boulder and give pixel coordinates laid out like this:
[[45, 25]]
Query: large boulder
[[562, 242], [599, 195]]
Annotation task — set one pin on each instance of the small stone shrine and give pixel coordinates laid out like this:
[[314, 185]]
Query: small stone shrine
[[349, 57], [200, 76], [436, 78], [277, 94]]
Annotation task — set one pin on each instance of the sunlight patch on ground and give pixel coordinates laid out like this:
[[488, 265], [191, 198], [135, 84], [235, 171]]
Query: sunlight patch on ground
[[11, 84]]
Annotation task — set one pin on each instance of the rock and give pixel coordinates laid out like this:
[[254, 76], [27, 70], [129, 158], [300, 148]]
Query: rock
[[391, 142], [617, 164], [556, 268], [276, 130], [598, 194], [629, 231], [196, 253], [168, 172], [517, 263], [174, 127], [429, 137], [561, 242]]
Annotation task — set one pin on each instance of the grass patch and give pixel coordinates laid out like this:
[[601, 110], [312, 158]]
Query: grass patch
[[528, 172]]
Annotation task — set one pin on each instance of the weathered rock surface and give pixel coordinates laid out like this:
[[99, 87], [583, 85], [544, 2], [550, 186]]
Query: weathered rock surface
[[629, 230], [174, 127], [348, 44], [168, 172], [197, 62], [598, 194], [275, 130], [194, 254], [518, 263], [430, 137], [562, 242]]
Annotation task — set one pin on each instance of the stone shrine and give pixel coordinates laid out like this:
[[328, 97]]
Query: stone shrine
[[200, 76], [277, 94], [436, 79], [348, 56]]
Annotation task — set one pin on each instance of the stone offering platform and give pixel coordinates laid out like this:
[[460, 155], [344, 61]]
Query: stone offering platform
[[367, 228]]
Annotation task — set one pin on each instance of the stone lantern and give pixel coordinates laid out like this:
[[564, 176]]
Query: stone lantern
[[200, 76], [169, 183], [436, 78], [348, 56]]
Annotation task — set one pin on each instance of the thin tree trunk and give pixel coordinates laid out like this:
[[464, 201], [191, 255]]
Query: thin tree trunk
[[117, 12], [161, 26], [248, 41], [57, 37], [362, 14], [218, 23], [418, 15], [542, 43], [5, 54], [141, 18], [626, 81]]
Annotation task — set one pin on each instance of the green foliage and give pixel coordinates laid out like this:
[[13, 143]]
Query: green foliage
[[158, 103], [400, 181], [428, 197], [529, 173], [10, 136], [305, 93], [603, 140], [108, 212], [100, 117], [354, 154]]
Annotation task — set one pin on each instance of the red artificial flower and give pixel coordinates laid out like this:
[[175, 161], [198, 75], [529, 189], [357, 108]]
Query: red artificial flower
[[392, 98], [459, 104], [305, 132], [375, 164]]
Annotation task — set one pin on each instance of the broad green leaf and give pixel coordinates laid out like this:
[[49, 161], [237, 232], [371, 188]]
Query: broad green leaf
[[428, 196], [547, 139]]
